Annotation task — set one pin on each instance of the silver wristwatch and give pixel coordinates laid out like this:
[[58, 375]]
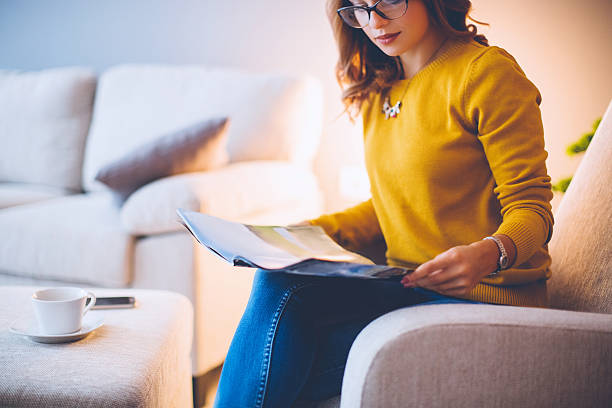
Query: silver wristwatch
[[502, 262]]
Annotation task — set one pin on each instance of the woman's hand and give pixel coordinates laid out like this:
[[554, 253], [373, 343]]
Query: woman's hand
[[457, 271]]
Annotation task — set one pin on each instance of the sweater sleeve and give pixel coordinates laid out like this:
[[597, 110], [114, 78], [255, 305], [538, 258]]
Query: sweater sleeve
[[355, 228], [502, 106]]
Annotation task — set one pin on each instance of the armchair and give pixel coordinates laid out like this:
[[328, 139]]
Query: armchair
[[502, 356]]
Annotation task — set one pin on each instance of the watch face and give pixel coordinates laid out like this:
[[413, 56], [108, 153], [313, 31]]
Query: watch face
[[503, 261]]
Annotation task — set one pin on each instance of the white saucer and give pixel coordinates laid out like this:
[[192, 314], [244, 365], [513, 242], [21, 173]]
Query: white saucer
[[28, 327]]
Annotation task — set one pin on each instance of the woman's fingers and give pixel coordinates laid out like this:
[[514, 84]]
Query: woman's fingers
[[435, 279], [440, 262], [453, 287]]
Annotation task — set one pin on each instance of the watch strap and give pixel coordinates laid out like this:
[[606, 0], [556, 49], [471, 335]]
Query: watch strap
[[502, 262]]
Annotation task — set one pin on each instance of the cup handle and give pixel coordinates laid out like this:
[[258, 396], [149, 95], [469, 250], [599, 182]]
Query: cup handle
[[91, 302]]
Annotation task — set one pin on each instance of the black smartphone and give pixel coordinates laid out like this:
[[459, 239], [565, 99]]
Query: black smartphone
[[114, 302]]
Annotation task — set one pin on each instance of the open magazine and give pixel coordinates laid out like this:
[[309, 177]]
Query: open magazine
[[305, 250]]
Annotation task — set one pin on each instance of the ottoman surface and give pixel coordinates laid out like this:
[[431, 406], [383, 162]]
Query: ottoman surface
[[139, 357]]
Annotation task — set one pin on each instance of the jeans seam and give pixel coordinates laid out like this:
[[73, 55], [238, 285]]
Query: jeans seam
[[265, 368]]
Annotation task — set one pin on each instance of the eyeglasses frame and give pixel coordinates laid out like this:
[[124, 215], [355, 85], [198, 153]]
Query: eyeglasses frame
[[369, 9]]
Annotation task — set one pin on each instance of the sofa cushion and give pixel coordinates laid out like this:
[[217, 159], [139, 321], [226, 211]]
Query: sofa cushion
[[12, 194], [199, 147], [580, 247], [44, 118], [76, 238], [273, 117], [233, 192]]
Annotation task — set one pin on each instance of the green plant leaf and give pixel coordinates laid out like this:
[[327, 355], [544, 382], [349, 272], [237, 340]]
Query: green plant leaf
[[581, 145], [585, 140], [562, 185], [578, 147], [596, 124]]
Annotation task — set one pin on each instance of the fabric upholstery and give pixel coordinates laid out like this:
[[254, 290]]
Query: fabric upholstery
[[76, 239], [138, 358], [230, 192], [44, 118], [272, 117], [477, 356], [198, 147], [6, 279], [581, 246], [12, 194]]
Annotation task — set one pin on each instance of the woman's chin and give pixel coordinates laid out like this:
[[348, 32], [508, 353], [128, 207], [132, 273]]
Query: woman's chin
[[390, 52]]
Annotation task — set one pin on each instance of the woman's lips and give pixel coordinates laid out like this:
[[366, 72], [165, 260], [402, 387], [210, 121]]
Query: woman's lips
[[387, 38]]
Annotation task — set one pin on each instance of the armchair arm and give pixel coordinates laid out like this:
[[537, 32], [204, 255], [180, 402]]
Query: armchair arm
[[465, 355], [231, 192]]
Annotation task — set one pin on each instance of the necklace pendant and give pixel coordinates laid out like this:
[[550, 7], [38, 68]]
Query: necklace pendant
[[391, 111]]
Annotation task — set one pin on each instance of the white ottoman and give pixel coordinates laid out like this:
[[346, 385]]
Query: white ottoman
[[138, 358]]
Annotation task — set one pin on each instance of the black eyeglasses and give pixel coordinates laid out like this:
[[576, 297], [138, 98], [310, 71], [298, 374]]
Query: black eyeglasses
[[359, 16]]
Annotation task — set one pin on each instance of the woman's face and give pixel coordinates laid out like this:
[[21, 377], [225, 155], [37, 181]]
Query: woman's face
[[399, 36]]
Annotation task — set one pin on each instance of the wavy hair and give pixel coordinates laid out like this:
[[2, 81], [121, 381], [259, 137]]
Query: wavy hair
[[363, 69]]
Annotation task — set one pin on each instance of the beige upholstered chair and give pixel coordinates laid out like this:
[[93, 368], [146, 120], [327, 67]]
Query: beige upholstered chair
[[502, 356]]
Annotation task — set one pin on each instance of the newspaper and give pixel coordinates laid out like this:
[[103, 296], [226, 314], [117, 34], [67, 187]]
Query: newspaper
[[305, 250]]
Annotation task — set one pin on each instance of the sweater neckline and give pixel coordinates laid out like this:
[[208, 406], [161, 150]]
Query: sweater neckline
[[448, 49]]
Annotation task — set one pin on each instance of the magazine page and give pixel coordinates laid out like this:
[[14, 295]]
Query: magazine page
[[268, 247], [234, 241], [306, 242]]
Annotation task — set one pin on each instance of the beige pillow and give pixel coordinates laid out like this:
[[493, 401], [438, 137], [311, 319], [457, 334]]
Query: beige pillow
[[199, 147]]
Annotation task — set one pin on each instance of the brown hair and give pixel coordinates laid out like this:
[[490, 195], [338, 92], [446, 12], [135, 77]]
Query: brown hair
[[362, 68]]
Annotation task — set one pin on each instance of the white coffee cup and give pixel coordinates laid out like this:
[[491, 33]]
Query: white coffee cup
[[61, 310]]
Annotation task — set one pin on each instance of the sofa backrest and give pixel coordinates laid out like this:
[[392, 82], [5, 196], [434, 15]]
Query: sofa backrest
[[581, 245], [272, 117], [44, 118]]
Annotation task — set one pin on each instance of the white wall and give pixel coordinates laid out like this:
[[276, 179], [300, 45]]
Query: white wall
[[563, 45]]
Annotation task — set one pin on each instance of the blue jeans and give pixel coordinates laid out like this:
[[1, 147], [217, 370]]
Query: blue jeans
[[293, 340]]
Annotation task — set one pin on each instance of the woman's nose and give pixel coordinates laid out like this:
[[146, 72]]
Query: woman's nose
[[376, 21]]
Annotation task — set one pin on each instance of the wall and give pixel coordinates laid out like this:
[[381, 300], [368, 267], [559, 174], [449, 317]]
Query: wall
[[563, 46]]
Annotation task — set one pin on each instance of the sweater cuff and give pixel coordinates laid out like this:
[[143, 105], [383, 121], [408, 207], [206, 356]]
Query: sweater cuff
[[528, 232]]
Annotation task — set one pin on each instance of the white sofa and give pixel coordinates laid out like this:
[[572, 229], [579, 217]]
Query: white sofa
[[58, 127]]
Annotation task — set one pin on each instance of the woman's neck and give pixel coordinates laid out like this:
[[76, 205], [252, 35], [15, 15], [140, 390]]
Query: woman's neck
[[416, 58]]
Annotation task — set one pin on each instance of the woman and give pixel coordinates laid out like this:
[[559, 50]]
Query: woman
[[454, 151]]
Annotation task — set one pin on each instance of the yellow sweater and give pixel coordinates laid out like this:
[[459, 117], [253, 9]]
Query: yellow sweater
[[464, 159]]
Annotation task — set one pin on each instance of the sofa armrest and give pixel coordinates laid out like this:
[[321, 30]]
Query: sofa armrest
[[232, 192], [464, 355]]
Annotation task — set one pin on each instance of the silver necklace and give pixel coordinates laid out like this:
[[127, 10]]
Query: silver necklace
[[393, 111]]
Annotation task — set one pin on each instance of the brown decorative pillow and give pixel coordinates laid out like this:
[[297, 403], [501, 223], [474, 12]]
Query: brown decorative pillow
[[199, 147]]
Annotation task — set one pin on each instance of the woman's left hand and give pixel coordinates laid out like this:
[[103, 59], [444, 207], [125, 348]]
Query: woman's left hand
[[456, 271]]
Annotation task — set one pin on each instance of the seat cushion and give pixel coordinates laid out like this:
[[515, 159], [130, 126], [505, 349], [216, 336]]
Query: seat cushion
[[273, 117], [76, 238], [44, 118], [580, 248], [233, 192], [12, 194]]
